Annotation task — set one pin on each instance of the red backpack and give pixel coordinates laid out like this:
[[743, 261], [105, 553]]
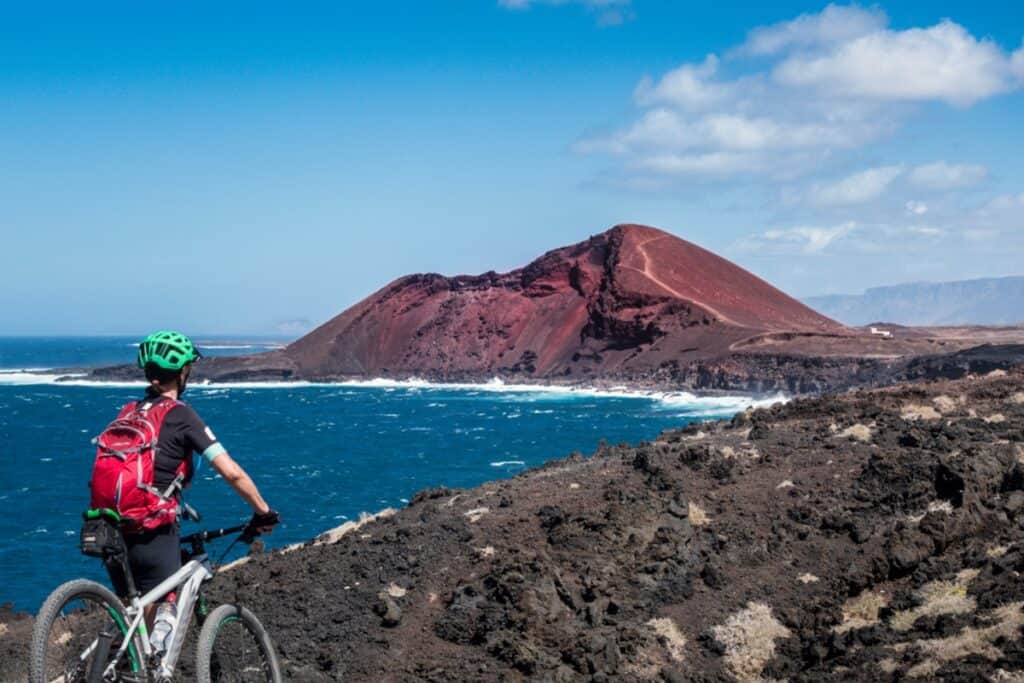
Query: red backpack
[[122, 475]]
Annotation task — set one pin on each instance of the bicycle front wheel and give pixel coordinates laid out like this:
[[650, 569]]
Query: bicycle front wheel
[[234, 646], [80, 622]]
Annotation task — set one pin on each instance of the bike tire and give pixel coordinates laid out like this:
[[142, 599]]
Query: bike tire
[[51, 611], [242, 623]]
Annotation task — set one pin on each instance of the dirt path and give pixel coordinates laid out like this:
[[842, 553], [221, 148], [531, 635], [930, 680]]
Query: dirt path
[[646, 272]]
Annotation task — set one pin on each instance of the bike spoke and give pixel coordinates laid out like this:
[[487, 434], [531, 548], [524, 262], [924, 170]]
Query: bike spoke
[[237, 656], [71, 641]]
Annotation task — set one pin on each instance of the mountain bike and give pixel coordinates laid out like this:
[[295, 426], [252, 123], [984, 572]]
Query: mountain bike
[[86, 634]]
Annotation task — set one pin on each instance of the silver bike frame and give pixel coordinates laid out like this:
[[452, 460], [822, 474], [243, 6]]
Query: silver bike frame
[[186, 582]]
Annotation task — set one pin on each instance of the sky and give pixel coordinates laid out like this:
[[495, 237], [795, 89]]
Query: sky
[[255, 168]]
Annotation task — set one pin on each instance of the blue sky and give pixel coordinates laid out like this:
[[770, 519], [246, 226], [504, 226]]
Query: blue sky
[[228, 169]]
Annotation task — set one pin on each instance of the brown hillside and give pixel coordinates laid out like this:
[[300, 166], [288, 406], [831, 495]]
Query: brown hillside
[[626, 300]]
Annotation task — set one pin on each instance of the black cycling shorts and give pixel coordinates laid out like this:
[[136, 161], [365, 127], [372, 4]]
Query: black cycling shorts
[[153, 556]]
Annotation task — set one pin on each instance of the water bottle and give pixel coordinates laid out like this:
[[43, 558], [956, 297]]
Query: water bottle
[[163, 626]]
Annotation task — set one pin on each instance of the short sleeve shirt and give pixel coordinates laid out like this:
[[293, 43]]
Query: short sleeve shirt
[[183, 433]]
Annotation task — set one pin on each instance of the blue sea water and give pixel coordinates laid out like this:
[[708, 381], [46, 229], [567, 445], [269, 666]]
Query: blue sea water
[[321, 454]]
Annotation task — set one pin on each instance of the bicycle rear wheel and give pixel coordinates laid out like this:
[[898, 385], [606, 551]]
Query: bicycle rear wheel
[[233, 646], [66, 636]]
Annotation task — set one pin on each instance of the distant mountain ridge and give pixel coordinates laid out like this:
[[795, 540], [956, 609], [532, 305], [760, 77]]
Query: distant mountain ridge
[[984, 301]]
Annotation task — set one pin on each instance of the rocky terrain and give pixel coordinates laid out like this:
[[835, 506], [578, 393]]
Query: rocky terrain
[[877, 535], [632, 305]]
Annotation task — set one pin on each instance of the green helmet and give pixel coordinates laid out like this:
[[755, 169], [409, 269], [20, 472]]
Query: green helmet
[[170, 350]]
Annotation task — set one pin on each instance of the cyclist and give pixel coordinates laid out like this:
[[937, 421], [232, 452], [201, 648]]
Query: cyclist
[[166, 357]]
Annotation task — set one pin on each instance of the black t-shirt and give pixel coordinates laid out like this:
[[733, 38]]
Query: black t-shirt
[[182, 434]]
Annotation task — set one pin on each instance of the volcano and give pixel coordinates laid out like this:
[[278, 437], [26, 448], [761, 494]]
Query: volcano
[[625, 301]]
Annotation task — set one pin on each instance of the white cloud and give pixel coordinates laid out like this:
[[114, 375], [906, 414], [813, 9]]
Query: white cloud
[[527, 4], [806, 240], [916, 208], [609, 12], [1006, 202], [656, 129], [709, 164], [666, 129], [943, 62], [856, 188], [943, 176], [1017, 62], [835, 24], [822, 84], [690, 86]]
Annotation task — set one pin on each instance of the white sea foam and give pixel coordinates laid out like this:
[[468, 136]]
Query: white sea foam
[[682, 401], [504, 463]]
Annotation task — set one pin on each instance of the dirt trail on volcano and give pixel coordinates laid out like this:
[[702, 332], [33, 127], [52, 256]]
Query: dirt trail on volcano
[[870, 536]]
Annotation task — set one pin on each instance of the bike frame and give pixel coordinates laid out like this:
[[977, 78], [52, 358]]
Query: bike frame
[[186, 582]]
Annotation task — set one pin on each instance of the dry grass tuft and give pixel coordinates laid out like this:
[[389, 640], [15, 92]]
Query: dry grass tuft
[[862, 611], [857, 432], [1004, 676], [996, 551], [888, 665], [749, 639], [944, 404], [475, 514], [667, 644], [997, 418], [914, 411], [938, 597], [1018, 398], [996, 374], [670, 637], [807, 578], [697, 515], [971, 641]]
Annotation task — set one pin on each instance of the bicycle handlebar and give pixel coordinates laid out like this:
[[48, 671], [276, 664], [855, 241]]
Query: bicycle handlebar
[[210, 534]]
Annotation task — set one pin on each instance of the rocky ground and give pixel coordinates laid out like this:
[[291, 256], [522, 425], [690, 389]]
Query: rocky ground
[[877, 535]]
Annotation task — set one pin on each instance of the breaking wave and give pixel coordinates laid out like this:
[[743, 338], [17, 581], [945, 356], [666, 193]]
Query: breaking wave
[[668, 400]]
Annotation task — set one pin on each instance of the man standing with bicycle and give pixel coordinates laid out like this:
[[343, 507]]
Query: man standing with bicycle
[[143, 462]]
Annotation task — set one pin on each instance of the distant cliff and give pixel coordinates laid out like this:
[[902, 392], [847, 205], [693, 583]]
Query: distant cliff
[[988, 301]]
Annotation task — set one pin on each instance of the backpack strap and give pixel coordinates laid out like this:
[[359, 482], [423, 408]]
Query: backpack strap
[[154, 412]]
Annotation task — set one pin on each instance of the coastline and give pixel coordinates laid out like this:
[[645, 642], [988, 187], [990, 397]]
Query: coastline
[[599, 389], [755, 375]]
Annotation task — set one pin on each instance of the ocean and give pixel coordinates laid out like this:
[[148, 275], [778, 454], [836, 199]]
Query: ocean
[[321, 454]]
